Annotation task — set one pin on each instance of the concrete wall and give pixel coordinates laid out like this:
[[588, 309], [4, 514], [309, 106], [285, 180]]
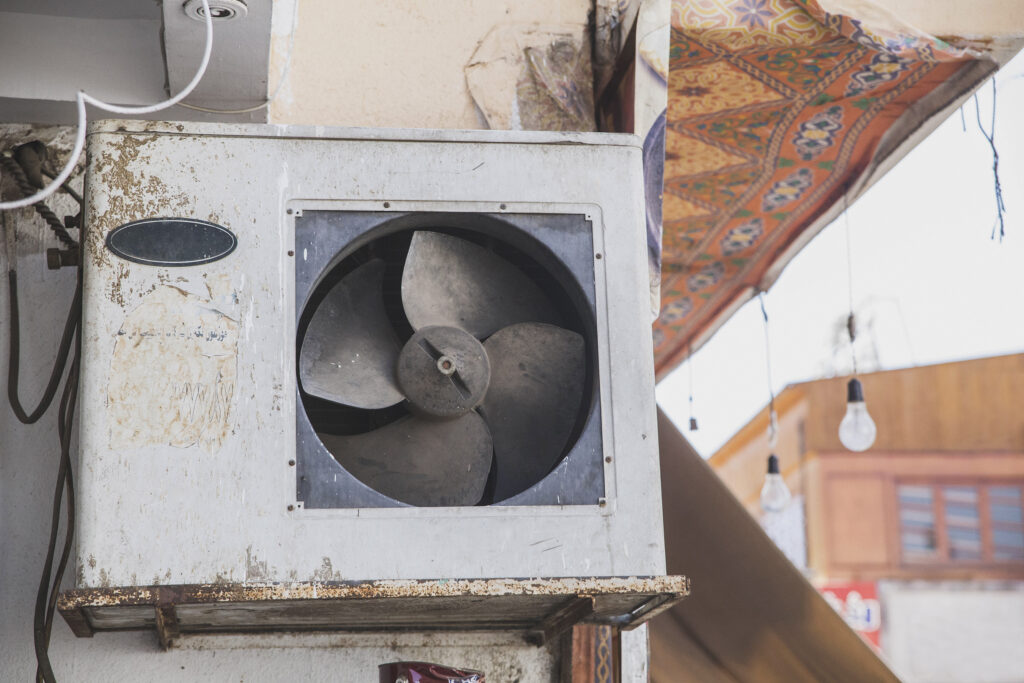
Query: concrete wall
[[392, 63], [952, 632]]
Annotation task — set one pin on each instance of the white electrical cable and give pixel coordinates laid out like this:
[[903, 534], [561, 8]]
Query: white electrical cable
[[82, 98]]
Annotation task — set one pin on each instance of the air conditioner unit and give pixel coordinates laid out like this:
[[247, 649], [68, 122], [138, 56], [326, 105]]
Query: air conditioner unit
[[334, 355]]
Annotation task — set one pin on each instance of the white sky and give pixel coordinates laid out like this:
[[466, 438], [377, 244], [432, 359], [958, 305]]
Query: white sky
[[924, 268]]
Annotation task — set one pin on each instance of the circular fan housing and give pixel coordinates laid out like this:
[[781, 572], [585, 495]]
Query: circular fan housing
[[443, 367]]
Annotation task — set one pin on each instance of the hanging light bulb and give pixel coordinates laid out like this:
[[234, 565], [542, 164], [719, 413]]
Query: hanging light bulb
[[775, 494], [857, 430]]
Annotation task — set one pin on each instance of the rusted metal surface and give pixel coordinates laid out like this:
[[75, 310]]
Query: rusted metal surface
[[563, 619], [78, 623], [545, 607], [167, 627]]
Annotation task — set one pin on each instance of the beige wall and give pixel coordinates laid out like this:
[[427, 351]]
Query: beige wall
[[939, 17], [392, 63]]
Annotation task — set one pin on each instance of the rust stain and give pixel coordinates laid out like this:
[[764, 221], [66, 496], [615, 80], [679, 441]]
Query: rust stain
[[671, 586], [264, 605], [130, 194], [173, 371], [255, 570], [326, 572]]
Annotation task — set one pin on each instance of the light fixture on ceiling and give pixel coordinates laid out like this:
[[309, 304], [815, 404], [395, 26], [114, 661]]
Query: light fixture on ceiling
[[220, 10]]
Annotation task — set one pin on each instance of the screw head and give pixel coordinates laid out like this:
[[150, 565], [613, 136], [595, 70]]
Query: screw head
[[290, 508], [291, 463]]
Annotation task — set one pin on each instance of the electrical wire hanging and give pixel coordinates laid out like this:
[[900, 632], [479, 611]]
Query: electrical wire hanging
[[991, 137], [689, 363], [82, 98], [773, 418], [50, 580], [851, 321]]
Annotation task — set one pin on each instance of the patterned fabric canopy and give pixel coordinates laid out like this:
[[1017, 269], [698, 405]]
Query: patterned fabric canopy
[[774, 107]]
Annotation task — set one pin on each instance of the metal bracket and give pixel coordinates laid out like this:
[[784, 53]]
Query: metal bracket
[[167, 627]]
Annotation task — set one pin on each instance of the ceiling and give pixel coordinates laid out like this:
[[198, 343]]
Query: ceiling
[[130, 52], [106, 9]]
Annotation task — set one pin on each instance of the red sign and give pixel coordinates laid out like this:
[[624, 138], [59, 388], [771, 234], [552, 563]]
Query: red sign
[[857, 603]]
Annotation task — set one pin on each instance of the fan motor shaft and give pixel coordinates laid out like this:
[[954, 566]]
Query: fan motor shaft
[[443, 371]]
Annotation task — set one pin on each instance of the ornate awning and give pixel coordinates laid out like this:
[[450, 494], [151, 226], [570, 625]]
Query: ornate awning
[[776, 110]]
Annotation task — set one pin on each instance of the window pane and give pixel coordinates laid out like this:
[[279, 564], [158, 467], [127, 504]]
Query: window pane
[[960, 507], [918, 522], [915, 494], [1006, 538], [1011, 494], [964, 544], [965, 495], [1006, 513], [961, 515], [913, 517], [915, 543]]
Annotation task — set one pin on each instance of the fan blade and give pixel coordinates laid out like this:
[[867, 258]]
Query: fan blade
[[537, 376], [449, 281], [350, 348], [418, 461]]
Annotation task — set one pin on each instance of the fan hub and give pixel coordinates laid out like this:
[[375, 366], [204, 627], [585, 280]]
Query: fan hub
[[443, 371]]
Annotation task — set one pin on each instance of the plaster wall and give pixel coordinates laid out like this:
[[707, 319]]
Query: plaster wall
[[943, 18], [391, 63], [948, 632]]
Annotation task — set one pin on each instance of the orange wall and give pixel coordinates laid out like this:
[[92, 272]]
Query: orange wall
[[964, 406], [956, 420], [857, 517]]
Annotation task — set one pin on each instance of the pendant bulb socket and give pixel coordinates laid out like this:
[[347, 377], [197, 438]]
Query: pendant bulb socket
[[854, 391]]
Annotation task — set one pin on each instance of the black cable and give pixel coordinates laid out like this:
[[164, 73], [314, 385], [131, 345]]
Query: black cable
[[66, 187], [66, 417], [50, 581], [45, 596], [991, 138], [74, 315]]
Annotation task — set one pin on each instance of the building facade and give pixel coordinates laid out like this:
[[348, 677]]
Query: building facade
[[919, 540]]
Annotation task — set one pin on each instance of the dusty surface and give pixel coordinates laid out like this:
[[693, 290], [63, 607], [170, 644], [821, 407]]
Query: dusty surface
[[176, 354]]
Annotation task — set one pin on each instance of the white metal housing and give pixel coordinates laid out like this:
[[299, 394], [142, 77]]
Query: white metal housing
[[188, 399]]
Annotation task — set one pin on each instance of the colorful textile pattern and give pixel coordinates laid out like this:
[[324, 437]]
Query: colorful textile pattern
[[774, 107]]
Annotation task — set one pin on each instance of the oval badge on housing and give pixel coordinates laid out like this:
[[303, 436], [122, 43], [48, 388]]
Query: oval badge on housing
[[171, 241]]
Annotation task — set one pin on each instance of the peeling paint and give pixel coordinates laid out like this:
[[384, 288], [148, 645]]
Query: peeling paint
[[255, 570], [326, 572], [176, 355]]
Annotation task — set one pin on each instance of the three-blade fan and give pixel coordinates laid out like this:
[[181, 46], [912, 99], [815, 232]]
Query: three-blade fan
[[490, 379]]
